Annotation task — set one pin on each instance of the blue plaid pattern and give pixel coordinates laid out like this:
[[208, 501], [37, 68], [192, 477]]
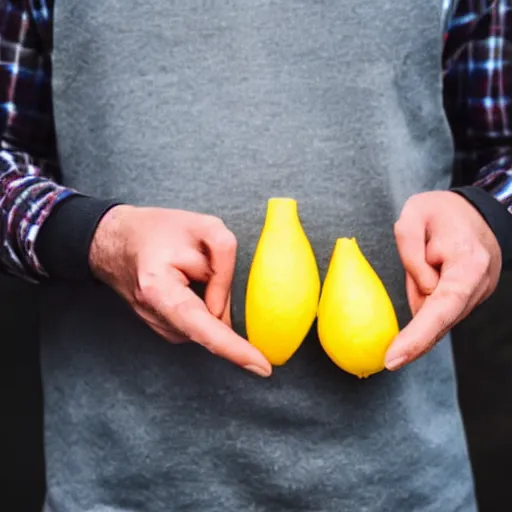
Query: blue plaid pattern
[[477, 73]]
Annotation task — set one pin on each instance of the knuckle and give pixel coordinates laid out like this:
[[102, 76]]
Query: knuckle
[[462, 246], [400, 229], [409, 210], [227, 239], [491, 285], [410, 204], [213, 222], [179, 308], [221, 235], [475, 259], [146, 289], [481, 261]]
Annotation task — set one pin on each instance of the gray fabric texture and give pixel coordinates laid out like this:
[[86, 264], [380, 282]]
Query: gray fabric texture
[[215, 106]]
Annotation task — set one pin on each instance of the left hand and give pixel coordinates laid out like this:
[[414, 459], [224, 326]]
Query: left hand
[[452, 263]]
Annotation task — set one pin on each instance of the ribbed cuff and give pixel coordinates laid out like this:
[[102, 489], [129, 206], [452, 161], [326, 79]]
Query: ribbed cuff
[[495, 214], [64, 240]]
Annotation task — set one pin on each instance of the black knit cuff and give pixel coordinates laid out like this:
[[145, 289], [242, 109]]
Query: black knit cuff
[[495, 214], [63, 243]]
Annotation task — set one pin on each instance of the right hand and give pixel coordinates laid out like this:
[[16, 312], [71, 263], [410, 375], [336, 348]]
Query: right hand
[[151, 255]]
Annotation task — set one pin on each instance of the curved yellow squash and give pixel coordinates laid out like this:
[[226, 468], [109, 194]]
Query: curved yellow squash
[[283, 287], [356, 318]]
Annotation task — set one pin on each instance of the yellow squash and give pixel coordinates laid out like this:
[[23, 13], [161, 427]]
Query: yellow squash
[[356, 318], [283, 287]]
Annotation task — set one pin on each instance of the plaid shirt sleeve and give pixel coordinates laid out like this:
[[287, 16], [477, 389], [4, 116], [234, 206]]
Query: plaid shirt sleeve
[[478, 95], [28, 175]]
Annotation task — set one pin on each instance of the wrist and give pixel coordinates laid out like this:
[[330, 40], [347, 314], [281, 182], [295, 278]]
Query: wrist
[[108, 244], [498, 218]]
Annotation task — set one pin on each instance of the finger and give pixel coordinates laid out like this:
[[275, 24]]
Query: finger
[[414, 297], [226, 316], [190, 315], [411, 238], [221, 246], [195, 265], [440, 311]]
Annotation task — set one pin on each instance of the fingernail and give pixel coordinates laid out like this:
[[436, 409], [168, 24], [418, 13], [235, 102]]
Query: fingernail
[[258, 370], [396, 363]]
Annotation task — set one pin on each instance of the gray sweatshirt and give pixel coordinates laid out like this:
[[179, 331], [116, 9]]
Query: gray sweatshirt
[[215, 106]]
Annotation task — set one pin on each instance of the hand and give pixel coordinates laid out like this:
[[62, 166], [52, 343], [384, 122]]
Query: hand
[[452, 263], [151, 255]]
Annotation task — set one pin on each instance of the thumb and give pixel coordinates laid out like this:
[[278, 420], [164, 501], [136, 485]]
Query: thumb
[[414, 297], [192, 317], [411, 239], [438, 314], [226, 316]]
